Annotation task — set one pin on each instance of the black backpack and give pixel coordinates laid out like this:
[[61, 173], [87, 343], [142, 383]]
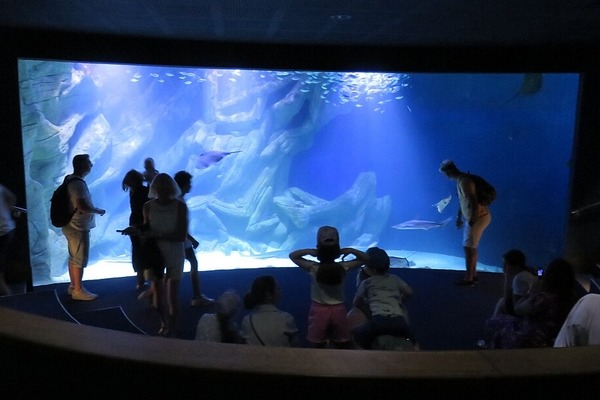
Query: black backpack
[[60, 214], [486, 193]]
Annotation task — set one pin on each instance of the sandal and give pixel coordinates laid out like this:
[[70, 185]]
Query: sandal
[[164, 331]]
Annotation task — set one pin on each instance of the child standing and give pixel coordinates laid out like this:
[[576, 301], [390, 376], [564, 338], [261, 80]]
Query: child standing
[[327, 320], [184, 181]]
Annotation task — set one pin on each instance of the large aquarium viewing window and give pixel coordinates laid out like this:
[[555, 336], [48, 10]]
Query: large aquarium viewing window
[[274, 155]]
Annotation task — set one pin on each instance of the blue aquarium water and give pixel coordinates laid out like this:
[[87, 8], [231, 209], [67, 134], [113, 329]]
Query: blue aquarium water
[[276, 154]]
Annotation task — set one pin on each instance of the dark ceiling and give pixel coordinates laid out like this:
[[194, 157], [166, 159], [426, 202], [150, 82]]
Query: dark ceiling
[[330, 22]]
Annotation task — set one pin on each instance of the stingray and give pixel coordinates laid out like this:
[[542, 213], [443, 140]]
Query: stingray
[[419, 224], [440, 205], [532, 83], [212, 157], [401, 262]]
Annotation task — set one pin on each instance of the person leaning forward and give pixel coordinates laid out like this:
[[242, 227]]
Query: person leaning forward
[[476, 215]]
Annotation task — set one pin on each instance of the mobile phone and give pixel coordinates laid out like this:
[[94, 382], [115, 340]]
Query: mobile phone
[[540, 272]]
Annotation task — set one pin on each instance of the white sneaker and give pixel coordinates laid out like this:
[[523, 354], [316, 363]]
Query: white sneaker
[[83, 295], [71, 289]]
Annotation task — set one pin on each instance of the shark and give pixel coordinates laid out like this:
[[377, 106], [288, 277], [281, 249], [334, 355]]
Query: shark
[[419, 224], [209, 158], [440, 205]]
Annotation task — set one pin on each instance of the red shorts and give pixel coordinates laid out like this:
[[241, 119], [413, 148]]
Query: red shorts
[[328, 322]]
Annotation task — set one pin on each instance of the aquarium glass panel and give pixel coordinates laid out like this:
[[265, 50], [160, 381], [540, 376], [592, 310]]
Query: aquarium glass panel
[[274, 155]]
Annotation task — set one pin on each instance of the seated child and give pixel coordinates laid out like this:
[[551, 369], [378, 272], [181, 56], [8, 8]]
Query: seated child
[[382, 294], [221, 327]]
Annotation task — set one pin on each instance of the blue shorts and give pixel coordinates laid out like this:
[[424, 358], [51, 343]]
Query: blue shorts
[[78, 244]]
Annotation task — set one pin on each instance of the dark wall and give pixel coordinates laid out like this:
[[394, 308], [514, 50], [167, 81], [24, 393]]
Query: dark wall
[[584, 227], [583, 234], [11, 161]]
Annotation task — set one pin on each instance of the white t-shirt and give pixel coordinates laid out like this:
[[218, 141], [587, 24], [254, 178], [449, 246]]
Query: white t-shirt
[[78, 189], [383, 294], [273, 326], [582, 326], [209, 328], [522, 283], [321, 293]]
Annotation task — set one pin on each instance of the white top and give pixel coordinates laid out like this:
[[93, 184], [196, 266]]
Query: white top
[[383, 294], [582, 326], [465, 209], [522, 283], [163, 217], [209, 329], [273, 326], [326, 294], [78, 189]]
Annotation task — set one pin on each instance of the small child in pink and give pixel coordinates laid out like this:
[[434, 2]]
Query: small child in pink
[[327, 322]]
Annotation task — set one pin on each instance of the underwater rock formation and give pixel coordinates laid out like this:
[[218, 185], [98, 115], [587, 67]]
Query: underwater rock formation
[[245, 203]]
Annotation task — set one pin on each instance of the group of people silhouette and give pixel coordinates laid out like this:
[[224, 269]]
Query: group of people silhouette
[[378, 306], [538, 307], [161, 242], [533, 312]]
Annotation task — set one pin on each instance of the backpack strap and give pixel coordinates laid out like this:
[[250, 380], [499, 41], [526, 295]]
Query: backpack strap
[[71, 178], [256, 333], [66, 182]]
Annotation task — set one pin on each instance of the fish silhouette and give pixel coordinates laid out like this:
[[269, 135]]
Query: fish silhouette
[[419, 224], [440, 205], [209, 158], [401, 262], [531, 84]]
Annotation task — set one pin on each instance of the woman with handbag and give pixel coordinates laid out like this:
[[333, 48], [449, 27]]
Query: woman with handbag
[[166, 221]]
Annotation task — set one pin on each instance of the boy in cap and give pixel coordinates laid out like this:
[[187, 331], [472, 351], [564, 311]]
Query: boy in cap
[[383, 295], [327, 320], [478, 218]]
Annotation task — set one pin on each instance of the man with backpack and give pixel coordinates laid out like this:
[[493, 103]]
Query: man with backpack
[[77, 231], [474, 196]]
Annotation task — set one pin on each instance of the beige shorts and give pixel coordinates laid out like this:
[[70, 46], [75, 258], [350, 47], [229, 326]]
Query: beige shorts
[[472, 234], [78, 244]]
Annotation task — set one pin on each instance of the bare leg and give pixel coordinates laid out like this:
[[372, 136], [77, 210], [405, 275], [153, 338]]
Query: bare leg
[[160, 306], [141, 281], [173, 302], [71, 277], [194, 275], [471, 263], [76, 276]]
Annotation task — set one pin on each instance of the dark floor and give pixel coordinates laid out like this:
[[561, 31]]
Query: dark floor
[[443, 316]]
